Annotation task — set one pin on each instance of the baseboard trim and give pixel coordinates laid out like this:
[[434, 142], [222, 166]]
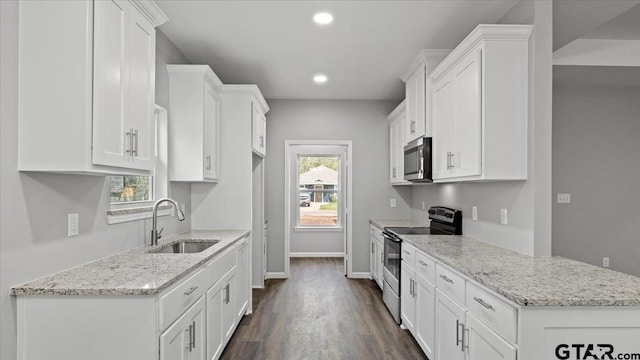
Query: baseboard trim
[[360, 275], [316, 254], [275, 275]]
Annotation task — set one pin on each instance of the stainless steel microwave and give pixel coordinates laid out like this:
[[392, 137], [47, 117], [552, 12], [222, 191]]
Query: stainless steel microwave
[[417, 160]]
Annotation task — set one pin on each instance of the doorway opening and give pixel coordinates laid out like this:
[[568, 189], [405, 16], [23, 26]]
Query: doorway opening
[[317, 200]]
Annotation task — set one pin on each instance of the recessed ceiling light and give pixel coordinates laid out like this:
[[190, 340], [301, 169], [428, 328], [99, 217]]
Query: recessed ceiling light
[[323, 18], [320, 79]]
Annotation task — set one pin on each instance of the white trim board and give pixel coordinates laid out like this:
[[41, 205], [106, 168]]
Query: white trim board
[[315, 254], [275, 275], [360, 275]]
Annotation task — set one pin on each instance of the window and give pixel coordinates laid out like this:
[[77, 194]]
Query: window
[[318, 190], [132, 197]]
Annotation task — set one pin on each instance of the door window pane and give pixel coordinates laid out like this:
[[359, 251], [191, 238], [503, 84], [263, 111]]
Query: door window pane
[[130, 188], [318, 186]]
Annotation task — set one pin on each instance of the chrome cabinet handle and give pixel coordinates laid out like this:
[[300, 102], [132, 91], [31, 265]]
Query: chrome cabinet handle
[[446, 279], [190, 291], [448, 160], [411, 287], [226, 289], [458, 340], [135, 148], [130, 135], [261, 140], [394, 172], [452, 163], [193, 336], [465, 344], [422, 263], [413, 126], [483, 303], [372, 248], [415, 293], [208, 162], [190, 337], [406, 252]]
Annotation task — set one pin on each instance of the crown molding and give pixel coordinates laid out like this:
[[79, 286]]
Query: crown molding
[[427, 57], [247, 89], [151, 11]]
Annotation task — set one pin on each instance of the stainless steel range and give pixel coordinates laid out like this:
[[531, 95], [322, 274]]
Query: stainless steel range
[[444, 221]]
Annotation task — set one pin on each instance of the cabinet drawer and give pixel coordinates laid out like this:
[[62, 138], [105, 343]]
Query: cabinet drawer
[[408, 254], [497, 314], [178, 299], [425, 266], [450, 283], [220, 266]]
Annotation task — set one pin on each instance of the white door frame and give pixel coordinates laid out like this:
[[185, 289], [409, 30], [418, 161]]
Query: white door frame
[[348, 199]]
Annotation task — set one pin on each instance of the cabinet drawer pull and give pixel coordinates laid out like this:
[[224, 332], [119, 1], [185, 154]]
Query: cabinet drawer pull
[[226, 290], [190, 337], [135, 148], [446, 279], [261, 140], [193, 336], [406, 252], [422, 263], [130, 135], [458, 340], [190, 291], [483, 303], [209, 162]]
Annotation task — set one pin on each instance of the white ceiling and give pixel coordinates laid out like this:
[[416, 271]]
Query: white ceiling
[[276, 45]]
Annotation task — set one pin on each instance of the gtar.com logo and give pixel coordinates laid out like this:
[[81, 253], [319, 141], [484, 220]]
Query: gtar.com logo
[[591, 352]]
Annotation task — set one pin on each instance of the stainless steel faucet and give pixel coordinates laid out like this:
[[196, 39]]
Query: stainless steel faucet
[[155, 235]]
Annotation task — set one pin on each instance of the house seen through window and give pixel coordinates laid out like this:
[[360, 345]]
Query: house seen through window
[[131, 189], [318, 186]]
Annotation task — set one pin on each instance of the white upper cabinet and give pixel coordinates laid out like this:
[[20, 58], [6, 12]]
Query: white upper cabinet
[[194, 128], [258, 130], [397, 120], [480, 110], [89, 108], [418, 90]]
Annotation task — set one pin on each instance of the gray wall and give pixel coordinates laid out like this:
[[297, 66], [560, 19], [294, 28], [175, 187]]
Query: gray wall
[[34, 206], [596, 137], [364, 123], [528, 202]]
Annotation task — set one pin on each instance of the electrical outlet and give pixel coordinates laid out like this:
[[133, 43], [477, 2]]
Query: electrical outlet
[[423, 207], [504, 216], [73, 224], [564, 198], [605, 262], [474, 213], [392, 203]]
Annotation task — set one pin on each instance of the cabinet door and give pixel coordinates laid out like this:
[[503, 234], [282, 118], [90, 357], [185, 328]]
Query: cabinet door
[[258, 126], [425, 315], [394, 147], [215, 335], [242, 281], [379, 260], [442, 127], [211, 133], [228, 307], [263, 142], [482, 343], [467, 124], [449, 328], [185, 338], [140, 90], [407, 297], [111, 144], [415, 93]]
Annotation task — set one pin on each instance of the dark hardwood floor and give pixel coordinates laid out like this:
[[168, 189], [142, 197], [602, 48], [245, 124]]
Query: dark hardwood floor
[[318, 313]]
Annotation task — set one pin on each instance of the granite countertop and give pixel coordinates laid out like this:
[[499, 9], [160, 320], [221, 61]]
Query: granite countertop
[[132, 272], [528, 280], [381, 224]]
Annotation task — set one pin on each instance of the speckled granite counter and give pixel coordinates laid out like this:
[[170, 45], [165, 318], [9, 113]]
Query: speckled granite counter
[[531, 281], [132, 272], [396, 223]]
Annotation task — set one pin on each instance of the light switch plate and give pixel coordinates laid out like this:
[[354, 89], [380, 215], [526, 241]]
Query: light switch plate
[[474, 213], [73, 224], [605, 262], [564, 198], [504, 216], [392, 203]]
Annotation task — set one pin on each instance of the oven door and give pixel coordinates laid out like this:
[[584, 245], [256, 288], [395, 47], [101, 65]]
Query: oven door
[[392, 259]]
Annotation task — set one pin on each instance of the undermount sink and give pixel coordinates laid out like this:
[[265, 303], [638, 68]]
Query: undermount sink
[[186, 247]]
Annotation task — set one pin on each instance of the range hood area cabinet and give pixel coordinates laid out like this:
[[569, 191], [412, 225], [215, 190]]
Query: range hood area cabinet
[[194, 128], [480, 107], [417, 92], [397, 121], [87, 103]]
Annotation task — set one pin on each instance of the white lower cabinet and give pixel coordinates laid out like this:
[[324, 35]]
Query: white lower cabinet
[[215, 336], [482, 343], [407, 297], [425, 315], [242, 277], [449, 318], [184, 340], [376, 255]]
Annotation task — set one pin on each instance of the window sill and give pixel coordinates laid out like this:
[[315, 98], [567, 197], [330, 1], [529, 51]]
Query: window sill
[[318, 228], [116, 216]]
